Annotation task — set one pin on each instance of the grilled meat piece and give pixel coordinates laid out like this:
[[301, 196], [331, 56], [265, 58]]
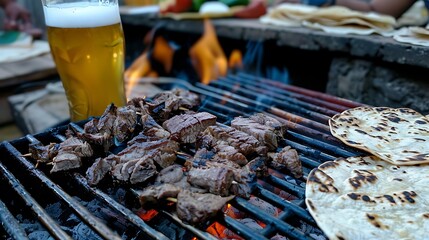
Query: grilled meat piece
[[224, 151], [186, 127], [215, 179], [135, 171], [264, 133], [287, 158], [171, 174], [125, 123], [163, 151], [243, 142], [175, 175], [99, 169], [43, 153], [196, 208], [70, 153], [100, 131], [152, 131], [279, 127], [168, 103], [176, 99], [153, 194]]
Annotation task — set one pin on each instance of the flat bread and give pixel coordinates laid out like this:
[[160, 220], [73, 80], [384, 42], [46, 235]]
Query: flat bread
[[347, 29], [334, 19], [397, 135], [412, 36], [366, 198]]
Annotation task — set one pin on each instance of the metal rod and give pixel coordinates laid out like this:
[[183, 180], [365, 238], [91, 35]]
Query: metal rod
[[293, 119], [260, 106], [294, 189], [80, 210], [243, 230], [323, 145], [307, 92], [10, 224], [319, 102], [41, 214], [323, 157], [286, 205], [125, 212], [280, 99], [280, 225]]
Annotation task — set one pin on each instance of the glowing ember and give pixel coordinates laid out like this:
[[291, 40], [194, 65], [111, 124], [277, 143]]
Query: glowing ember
[[147, 215], [221, 232]]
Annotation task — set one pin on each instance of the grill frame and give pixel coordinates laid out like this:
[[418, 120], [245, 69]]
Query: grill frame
[[305, 113]]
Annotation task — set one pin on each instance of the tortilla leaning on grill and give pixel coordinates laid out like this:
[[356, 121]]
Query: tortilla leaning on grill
[[366, 198], [397, 135]]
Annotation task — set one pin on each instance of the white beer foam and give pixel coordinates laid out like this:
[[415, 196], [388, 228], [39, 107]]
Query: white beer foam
[[71, 15]]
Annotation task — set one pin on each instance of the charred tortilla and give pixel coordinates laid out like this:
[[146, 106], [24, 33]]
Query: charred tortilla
[[397, 135], [366, 198]]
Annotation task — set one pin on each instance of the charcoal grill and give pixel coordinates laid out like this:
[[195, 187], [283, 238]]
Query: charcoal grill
[[36, 204]]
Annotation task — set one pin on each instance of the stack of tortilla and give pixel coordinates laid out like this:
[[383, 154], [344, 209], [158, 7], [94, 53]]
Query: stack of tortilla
[[334, 19], [384, 196], [413, 35]]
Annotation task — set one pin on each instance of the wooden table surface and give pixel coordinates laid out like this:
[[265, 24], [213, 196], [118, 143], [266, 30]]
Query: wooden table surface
[[33, 69]]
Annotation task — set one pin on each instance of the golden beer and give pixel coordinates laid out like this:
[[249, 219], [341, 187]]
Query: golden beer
[[87, 44]]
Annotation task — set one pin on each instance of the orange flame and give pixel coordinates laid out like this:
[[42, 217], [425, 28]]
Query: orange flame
[[207, 55], [235, 59]]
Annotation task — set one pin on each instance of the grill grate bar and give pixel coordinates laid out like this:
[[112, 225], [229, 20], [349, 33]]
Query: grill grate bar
[[200, 234], [321, 156], [295, 119], [10, 223], [41, 214], [279, 99], [294, 189], [303, 91], [296, 209], [80, 210], [326, 146], [243, 229], [318, 102], [279, 224], [260, 106], [125, 212], [309, 162]]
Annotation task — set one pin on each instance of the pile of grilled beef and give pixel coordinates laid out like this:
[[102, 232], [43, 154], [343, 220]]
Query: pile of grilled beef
[[220, 161]]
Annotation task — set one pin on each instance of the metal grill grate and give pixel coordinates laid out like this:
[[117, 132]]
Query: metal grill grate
[[30, 190]]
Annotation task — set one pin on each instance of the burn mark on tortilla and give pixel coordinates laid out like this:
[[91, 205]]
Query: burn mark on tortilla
[[352, 142], [410, 151], [360, 131], [340, 237], [363, 176], [409, 196], [365, 198], [426, 215], [394, 119], [373, 219], [420, 157], [354, 196], [379, 128], [398, 179], [420, 139], [324, 181], [389, 198], [311, 205], [420, 122], [326, 165]]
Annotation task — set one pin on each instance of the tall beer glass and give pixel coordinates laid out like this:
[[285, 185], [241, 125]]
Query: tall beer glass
[[87, 44]]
